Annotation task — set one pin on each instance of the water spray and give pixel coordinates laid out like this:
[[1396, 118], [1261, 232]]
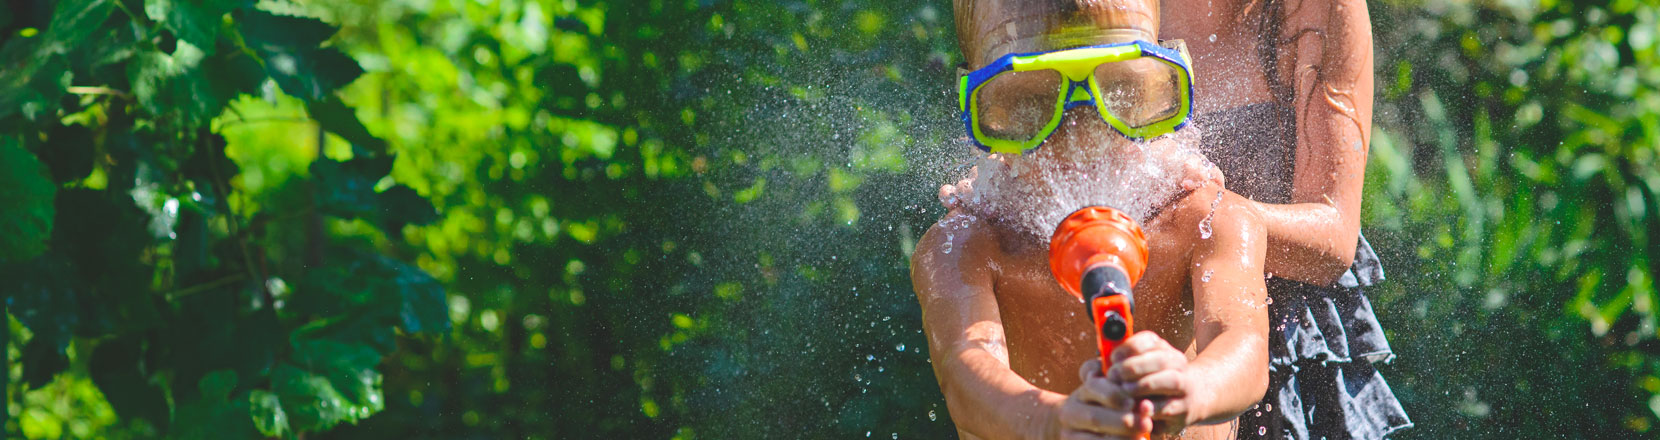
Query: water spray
[[1097, 254]]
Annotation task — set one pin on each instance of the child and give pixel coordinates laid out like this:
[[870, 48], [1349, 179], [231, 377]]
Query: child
[[1004, 338]]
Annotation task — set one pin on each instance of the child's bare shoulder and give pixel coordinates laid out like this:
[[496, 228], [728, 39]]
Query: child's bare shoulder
[[960, 235], [1205, 212], [960, 244]]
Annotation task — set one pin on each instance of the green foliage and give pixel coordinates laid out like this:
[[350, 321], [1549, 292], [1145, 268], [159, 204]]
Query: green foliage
[[28, 202], [687, 219], [137, 257], [1513, 180]]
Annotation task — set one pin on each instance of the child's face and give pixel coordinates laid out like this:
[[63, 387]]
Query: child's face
[[996, 28]]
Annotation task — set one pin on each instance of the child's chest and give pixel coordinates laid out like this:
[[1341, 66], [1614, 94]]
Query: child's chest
[[1048, 330]]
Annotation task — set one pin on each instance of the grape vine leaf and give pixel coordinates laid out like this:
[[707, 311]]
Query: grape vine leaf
[[290, 47], [267, 412], [194, 21], [218, 413], [26, 208], [341, 120]]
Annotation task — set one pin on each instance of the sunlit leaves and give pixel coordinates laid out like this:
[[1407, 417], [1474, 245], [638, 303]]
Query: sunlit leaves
[[126, 229]]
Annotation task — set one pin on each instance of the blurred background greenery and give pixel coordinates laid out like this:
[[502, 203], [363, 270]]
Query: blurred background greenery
[[692, 219]]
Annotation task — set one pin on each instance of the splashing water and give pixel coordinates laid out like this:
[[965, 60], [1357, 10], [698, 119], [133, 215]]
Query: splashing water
[[1084, 164], [1205, 278], [1204, 225]]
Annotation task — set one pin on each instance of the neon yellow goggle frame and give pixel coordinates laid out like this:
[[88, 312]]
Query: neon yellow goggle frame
[[1071, 70]]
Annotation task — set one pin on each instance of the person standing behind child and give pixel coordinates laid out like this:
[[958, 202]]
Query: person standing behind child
[[1285, 96]]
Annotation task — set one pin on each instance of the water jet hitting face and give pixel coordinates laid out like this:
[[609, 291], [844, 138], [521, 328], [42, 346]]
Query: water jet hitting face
[[1085, 162]]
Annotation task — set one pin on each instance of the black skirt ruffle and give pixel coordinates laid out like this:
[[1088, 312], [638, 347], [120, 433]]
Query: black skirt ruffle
[[1324, 343]]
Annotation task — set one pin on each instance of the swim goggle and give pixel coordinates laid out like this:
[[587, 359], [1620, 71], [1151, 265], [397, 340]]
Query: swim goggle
[[1141, 89]]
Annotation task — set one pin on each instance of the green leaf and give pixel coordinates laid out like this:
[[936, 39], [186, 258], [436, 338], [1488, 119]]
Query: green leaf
[[401, 205], [347, 189], [115, 370], [266, 409], [349, 368], [270, 32], [341, 120], [72, 22], [194, 21], [289, 47], [219, 413], [26, 204], [311, 403], [423, 307]]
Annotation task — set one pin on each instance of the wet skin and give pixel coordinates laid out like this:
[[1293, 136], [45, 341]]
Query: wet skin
[[1007, 343]]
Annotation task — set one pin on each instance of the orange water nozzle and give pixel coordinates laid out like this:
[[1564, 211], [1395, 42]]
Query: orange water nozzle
[[1093, 237], [1097, 254]]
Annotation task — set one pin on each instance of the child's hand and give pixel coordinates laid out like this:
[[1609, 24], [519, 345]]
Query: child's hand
[[956, 196], [1197, 171], [1102, 409], [1149, 368]]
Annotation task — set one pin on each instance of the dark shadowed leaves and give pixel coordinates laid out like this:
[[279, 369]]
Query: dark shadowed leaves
[[341, 120], [401, 205], [68, 152], [290, 49], [219, 412], [117, 370], [347, 189]]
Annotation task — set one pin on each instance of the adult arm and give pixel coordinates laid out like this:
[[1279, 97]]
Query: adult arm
[[1313, 238]]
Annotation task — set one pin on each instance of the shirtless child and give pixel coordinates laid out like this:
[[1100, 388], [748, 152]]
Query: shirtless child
[[1014, 356]]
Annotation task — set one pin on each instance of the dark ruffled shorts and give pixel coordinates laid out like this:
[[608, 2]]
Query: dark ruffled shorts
[[1323, 345]]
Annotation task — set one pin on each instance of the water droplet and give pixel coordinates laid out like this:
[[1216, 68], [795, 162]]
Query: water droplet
[[867, 434], [1213, 38], [1262, 430], [1204, 225], [870, 357], [932, 416], [949, 237], [895, 436], [900, 347], [1206, 277], [1270, 300], [1269, 407]]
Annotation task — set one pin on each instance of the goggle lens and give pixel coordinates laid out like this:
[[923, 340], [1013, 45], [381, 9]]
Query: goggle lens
[[1139, 92], [1018, 105]]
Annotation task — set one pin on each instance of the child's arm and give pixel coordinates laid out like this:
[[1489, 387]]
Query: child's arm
[[1230, 320], [965, 340]]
